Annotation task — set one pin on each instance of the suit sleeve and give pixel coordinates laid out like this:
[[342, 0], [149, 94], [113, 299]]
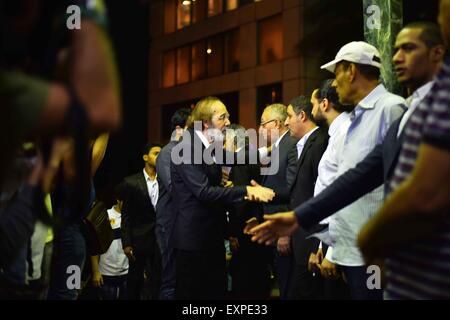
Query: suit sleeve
[[125, 221], [163, 169], [197, 182], [349, 187]]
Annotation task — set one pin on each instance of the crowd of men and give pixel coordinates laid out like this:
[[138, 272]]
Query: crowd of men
[[341, 194]]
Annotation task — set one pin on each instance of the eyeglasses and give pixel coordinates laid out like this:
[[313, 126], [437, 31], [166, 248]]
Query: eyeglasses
[[266, 122], [223, 117]]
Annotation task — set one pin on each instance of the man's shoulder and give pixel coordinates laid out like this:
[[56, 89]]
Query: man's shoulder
[[389, 99], [133, 178]]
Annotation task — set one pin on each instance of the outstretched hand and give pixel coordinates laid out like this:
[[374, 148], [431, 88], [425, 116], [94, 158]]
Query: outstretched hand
[[276, 225]]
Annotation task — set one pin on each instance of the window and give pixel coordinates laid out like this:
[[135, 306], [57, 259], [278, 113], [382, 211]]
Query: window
[[232, 4], [232, 51], [199, 10], [270, 39], [183, 65], [206, 58], [169, 69], [215, 7], [183, 13], [267, 95], [214, 53], [169, 15], [198, 55]]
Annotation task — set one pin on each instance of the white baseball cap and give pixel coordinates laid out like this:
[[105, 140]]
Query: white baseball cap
[[358, 52]]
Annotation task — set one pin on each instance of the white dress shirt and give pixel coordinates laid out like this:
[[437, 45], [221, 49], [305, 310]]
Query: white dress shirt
[[328, 165], [152, 187], [301, 143], [413, 101]]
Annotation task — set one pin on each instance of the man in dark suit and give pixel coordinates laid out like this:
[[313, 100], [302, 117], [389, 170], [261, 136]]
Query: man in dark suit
[[138, 226], [198, 202], [312, 144], [284, 154], [165, 215]]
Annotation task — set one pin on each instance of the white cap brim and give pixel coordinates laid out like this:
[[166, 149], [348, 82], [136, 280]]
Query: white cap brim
[[331, 66]]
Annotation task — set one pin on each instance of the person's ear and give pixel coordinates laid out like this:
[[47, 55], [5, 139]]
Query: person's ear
[[325, 106], [303, 117], [351, 72], [145, 157], [437, 53]]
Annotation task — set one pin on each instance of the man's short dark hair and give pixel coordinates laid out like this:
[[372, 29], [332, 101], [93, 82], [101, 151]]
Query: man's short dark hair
[[368, 72], [431, 33], [327, 91], [301, 103], [119, 192], [180, 117], [149, 147]]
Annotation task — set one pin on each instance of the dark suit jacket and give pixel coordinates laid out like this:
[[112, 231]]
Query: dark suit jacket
[[377, 167], [284, 177], [303, 189], [199, 199], [165, 215], [138, 216]]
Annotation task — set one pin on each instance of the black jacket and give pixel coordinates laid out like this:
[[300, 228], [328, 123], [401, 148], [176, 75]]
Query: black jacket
[[199, 199], [138, 216], [286, 154]]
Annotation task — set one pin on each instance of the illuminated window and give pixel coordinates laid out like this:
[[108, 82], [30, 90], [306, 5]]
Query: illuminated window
[[198, 64], [214, 51], [183, 65], [232, 51], [184, 13], [169, 69], [232, 4], [270, 34], [215, 7]]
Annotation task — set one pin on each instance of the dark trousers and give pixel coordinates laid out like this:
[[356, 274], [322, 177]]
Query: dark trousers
[[250, 272], [201, 275], [144, 277], [305, 285], [357, 283], [168, 271], [69, 249], [284, 266], [114, 288]]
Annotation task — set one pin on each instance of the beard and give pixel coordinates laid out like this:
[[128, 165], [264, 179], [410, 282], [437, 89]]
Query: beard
[[320, 120]]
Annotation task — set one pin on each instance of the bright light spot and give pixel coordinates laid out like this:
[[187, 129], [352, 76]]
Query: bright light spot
[[208, 51], [186, 2]]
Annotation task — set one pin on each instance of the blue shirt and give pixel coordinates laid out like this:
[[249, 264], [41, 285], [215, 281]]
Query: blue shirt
[[370, 121]]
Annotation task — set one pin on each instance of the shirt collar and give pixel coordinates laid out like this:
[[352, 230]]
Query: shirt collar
[[303, 140], [421, 92], [147, 177], [369, 101], [203, 138], [337, 123], [279, 139]]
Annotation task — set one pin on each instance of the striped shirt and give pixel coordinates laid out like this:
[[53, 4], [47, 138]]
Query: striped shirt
[[369, 122], [421, 269]]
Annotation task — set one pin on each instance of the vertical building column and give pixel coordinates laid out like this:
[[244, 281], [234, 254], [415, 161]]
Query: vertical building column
[[383, 19]]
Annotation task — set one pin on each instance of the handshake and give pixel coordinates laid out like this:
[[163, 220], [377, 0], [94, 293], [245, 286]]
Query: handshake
[[258, 193]]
